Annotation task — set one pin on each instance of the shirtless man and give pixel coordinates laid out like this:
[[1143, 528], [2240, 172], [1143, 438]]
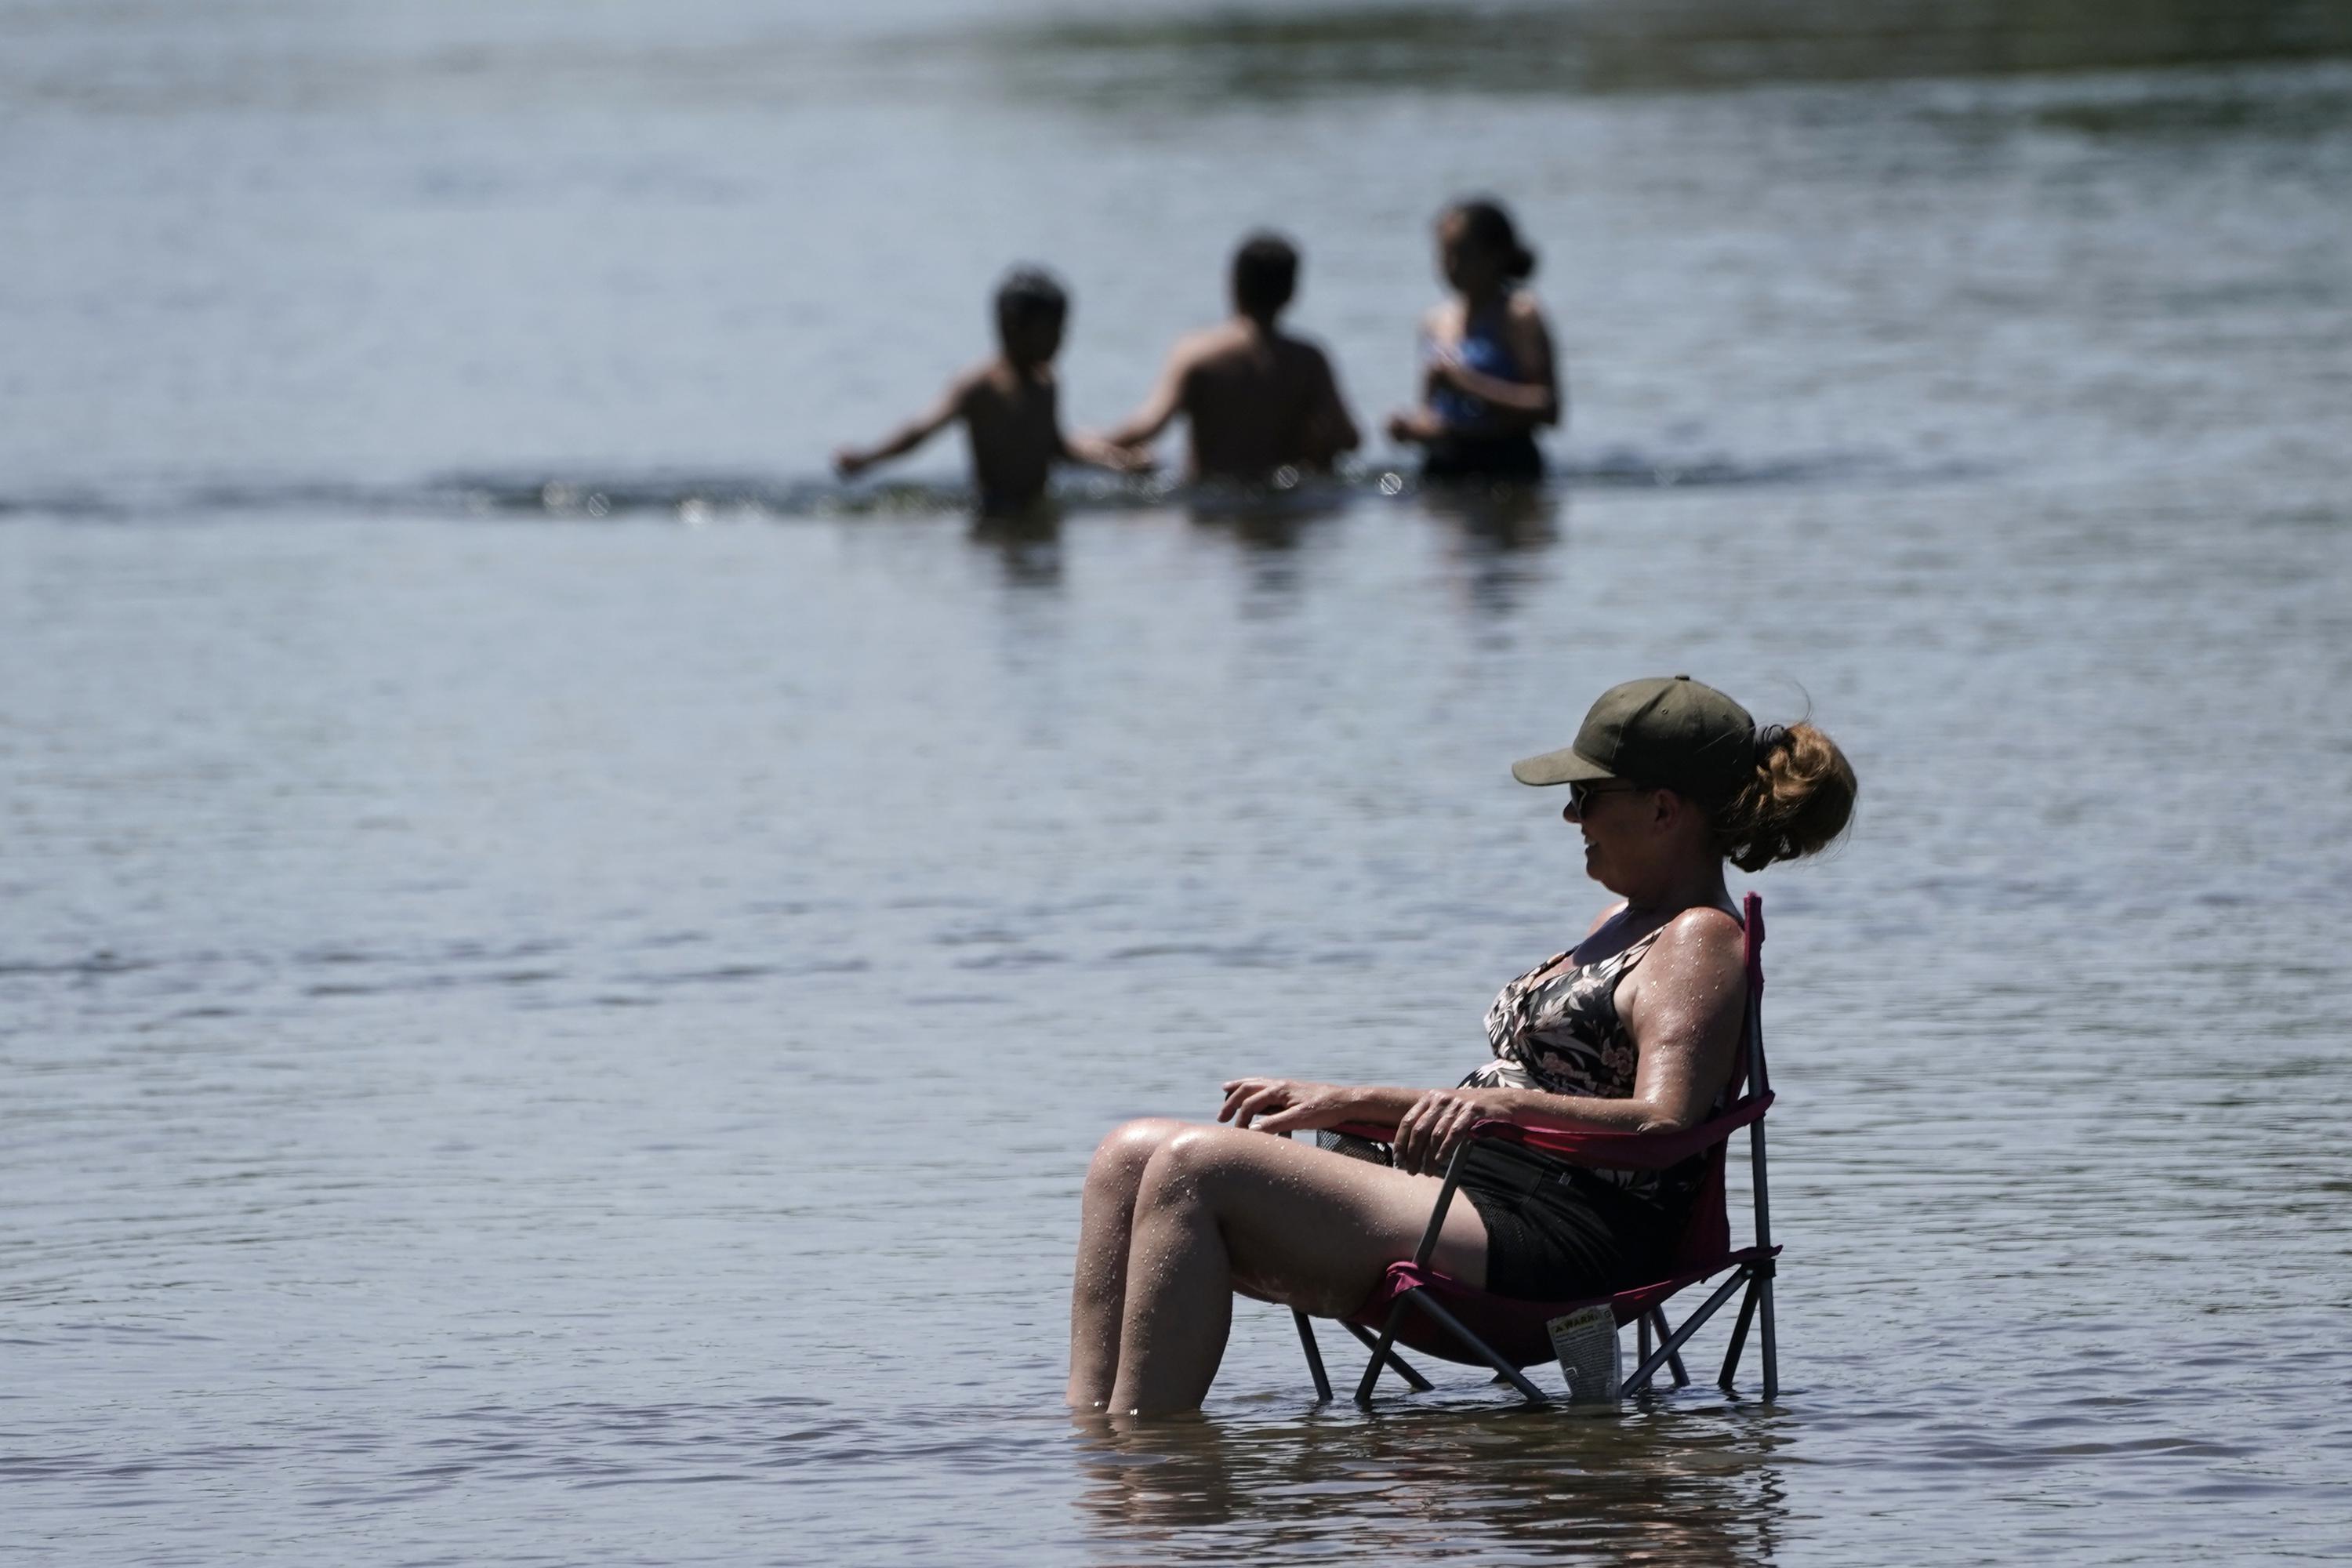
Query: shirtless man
[[1256, 399], [1008, 405]]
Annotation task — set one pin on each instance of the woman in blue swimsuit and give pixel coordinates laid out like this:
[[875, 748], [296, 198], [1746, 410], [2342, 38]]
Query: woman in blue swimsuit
[[1491, 379]]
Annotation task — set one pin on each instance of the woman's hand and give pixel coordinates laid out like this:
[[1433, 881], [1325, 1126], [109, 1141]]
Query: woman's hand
[[1286, 1104], [1427, 1135], [1415, 426], [1446, 371]]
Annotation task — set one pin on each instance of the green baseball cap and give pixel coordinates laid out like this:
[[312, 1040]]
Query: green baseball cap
[[1668, 730]]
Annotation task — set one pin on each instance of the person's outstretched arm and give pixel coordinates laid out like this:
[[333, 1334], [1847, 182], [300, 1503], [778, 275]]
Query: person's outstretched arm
[[1114, 451], [1102, 452], [1160, 410], [851, 461]]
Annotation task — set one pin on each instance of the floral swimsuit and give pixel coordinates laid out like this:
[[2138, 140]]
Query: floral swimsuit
[[1555, 1231], [1562, 1036]]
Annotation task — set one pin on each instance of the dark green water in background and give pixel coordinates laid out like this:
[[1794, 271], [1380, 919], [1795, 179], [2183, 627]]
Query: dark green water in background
[[559, 971]]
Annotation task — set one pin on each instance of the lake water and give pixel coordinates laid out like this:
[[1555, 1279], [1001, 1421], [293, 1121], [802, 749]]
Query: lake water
[[559, 971]]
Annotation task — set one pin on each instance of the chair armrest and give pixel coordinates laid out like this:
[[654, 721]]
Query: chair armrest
[[1581, 1145], [1623, 1151], [1378, 1131]]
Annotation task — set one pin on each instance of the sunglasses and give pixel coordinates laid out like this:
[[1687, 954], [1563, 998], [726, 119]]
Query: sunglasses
[[1580, 796]]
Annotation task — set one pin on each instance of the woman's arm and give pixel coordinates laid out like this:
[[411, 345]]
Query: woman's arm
[[1437, 1121], [1420, 424], [1299, 1105], [1429, 1123], [1415, 426], [1683, 1007], [1525, 404]]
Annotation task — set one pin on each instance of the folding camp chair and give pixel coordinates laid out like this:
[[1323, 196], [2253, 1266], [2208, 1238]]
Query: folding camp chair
[[1423, 1309]]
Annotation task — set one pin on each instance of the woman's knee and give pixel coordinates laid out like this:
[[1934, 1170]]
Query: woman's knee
[[1195, 1161], [1120, 1158]]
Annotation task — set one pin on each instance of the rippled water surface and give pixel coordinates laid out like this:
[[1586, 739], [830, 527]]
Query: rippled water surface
[[559, 971]]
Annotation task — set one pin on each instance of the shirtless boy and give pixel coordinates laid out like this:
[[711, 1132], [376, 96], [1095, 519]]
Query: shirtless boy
[[1256, 399], [1009, 405]]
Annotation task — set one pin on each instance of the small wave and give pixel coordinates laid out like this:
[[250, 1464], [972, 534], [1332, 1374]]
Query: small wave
[[704, 498], [1627, 467], [699, 498]]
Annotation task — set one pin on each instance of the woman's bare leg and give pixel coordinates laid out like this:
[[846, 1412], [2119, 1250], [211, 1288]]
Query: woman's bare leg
[[1099, 1288], [1218, 1207]]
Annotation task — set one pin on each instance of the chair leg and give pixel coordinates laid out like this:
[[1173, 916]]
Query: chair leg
[[1772, 1350], [1740, 1333], [1380, 1353], [1314, 1356], [1651, 1362], [1642, 1341], [1404, 1368], [1674, 1357], [1527, 1391]]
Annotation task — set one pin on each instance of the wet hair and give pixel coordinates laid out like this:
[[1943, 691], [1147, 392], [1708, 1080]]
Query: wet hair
[[1487, 223], [1266, 273], [1799, 802], [1030, 294]]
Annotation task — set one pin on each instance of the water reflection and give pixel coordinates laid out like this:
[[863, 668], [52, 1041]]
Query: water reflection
[[1027, 544], [1289, 51], [1499, 535], [1637, 1490], [1269, 527], [1273, 517]]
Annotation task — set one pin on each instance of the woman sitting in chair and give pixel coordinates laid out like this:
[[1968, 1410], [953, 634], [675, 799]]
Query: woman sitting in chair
[[1636, 1029]]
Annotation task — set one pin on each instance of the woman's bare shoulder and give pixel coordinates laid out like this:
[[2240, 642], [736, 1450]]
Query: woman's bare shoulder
[[1702, 939], [1691, 985]]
